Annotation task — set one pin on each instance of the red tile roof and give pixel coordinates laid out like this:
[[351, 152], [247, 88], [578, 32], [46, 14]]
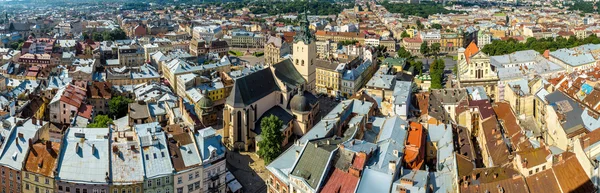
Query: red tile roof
[[471, 50], [85, 111], [340, 182], [484, 106], [414, 151], [73, 95]]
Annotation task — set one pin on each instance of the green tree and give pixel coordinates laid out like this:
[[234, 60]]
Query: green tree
[[402, 53], [435, 49], [404, 34], [118, 106], [436, 71], [100, 121], [270, 145], [436, 26], [418, 66], [97, 36], [86, 36], [424, 48], [419, 25]]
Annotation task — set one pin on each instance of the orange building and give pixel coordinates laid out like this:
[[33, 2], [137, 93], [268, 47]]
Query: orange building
[[414, 151]]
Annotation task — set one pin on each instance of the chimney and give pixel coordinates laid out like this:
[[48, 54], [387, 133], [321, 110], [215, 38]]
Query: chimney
[[392, 167], [20, 135], [297, 153], [77, 148], [560, 157], [41, 164], [33, 120], [474, 176], [495, 175], [93, 148], [48, 146], [465, 184], [41, 122]]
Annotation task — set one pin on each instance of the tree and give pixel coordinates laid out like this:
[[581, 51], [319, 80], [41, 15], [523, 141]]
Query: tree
[[402, 53], [435, 49], [97, 36], [419, 25], [86, 36], [418, 65], [118, 106], [436, 71], [404, 34], [270, 145], [424, 48], [100, 121], [436, 26]]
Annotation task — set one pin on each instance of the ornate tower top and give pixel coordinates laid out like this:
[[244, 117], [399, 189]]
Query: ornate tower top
[[304, 33]]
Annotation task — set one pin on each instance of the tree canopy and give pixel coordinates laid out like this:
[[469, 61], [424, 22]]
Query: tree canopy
[[117, 34], [319, 7], [100, 121], [424, 48], [270, 145], [499, 47], [423, 9], [436, 71], [118, 106], [402, 53]]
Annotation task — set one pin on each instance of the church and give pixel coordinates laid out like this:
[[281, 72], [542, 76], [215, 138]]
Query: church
[[283, 89], [474, 69]]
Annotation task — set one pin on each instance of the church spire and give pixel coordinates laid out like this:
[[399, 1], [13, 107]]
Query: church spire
[[304, 33]]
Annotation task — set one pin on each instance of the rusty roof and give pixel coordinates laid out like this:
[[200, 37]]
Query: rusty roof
[[41, 160], [544, 181], [512, 129], [496, 146], [484, 107], [590, 139], [570, 175], [495, 179], [100, 90], [534, 157]]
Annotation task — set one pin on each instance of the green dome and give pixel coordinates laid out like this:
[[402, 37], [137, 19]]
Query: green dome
[[205, 102]]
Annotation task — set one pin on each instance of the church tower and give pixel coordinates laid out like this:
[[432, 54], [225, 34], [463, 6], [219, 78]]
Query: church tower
[[305, 53]]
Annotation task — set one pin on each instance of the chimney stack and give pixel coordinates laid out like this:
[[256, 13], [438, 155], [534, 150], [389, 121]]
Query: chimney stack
[[392, 167]]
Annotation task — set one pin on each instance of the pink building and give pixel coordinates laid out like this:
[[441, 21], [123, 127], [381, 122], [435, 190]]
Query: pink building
[[65, 104]]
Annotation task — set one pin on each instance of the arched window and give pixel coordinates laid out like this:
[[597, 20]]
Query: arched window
[[296, 61], [302, 63], [239, 126]]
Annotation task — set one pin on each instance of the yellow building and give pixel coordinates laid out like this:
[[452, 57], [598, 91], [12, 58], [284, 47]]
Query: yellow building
[[38, 172], [340, 36], [328, 77], [275, 49]]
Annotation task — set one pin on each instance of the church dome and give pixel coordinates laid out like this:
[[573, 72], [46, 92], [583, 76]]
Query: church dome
[[205, 102], [300, 103]]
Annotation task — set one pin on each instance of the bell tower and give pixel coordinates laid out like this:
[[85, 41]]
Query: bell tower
[[305, 53]]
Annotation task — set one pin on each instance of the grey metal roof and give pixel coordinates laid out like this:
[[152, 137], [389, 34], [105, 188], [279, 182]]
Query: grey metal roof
[[402, 92], [287, 73], [13, 152], [564, 105], [153, 142], [84, 165], [572, 57]]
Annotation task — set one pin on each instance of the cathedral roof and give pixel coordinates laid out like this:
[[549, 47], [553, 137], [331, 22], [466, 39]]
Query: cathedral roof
[[251, 88]]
